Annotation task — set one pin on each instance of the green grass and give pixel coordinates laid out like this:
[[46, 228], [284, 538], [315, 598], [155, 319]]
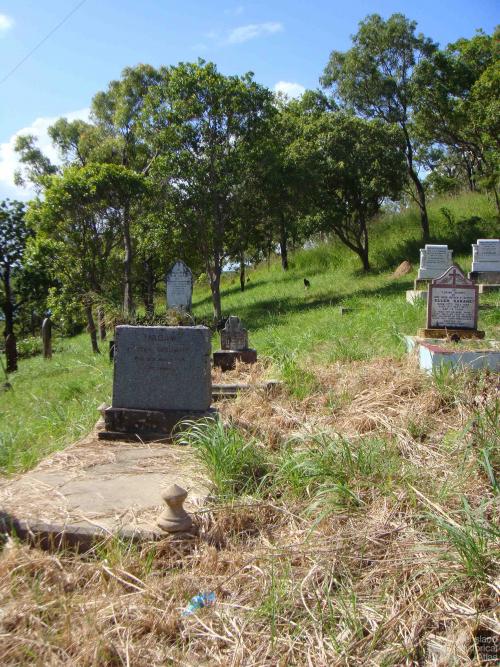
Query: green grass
[[54, 402]]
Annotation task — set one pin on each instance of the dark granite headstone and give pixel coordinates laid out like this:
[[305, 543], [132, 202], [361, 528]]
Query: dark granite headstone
[[161, 376]]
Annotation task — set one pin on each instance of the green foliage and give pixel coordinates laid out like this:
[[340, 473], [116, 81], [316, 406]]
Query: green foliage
[[235, 463], [334, 471], [473, 541], [51, 403]]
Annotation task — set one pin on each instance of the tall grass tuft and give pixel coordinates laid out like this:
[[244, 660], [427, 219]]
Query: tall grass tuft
[[236, 464], [332, 470], [474, 542]]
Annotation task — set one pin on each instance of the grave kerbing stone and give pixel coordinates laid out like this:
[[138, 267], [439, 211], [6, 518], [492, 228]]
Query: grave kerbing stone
[[161, 376], [234, 346], [486, 262], [452, 307], [179, 282], [434, 260]]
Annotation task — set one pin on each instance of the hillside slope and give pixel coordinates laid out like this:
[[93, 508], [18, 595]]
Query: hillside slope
[[52, 403]]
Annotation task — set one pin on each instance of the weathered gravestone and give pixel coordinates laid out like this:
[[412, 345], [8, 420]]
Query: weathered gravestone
[[434, 260], [161, 376], [234, 344], [179, 282], [486, 262], [47, 338], [452, 307]]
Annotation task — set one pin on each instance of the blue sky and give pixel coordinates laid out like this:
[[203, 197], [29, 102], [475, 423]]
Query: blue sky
[[286, 44]]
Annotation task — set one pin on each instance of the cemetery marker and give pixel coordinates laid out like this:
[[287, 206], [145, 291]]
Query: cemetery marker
[[179, 281]]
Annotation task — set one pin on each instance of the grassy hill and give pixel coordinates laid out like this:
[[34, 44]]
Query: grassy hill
[[54, 402]]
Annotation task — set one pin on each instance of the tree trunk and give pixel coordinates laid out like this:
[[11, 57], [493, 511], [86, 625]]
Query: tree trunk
[[215, 288], [424, 219], [149, 288], [128, 304], [283, 243], [242, 272], [8, 306], [363, 250], [102, 323], [11, 353], [92, 329]]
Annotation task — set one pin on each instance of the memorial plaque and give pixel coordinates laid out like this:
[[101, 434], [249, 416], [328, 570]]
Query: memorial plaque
[[434, 260], [179, 286], [452, 302], [234, 336], [162, 368]]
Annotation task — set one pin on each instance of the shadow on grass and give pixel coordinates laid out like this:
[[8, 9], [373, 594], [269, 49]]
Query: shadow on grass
[[258, 315]]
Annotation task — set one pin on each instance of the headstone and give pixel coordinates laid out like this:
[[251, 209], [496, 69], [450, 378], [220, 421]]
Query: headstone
[[486, 261], [234, 346], [434, 260], [161, 376], [11, 353], [452, 306], [47, 338], [233, 336], [179, 282]]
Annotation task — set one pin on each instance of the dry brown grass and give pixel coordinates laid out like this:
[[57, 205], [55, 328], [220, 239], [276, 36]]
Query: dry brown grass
[[376, 585]]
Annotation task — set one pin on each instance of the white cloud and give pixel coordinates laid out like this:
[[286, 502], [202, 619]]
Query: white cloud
[[9, 160], [253, 30], [6, 23], [289, 89]]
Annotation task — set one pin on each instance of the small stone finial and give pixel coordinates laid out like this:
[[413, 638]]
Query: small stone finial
[[174, 519]]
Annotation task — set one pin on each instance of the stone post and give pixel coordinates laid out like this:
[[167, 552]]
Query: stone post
[[11, 353], [174, 519], [47, 338]]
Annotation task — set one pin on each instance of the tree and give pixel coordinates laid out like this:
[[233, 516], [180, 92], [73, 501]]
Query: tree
[[14, 234], [355, 164], [82, 211], [459, 108], [118, 112], [376, 78], [201, 123]]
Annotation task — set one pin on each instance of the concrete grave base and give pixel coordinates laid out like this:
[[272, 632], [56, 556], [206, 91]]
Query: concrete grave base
[[447, 333], [226, 359], [92, 491], [432, 354], [416, 295], [488, 288], [146, 424], [421, 283], [485, 277]]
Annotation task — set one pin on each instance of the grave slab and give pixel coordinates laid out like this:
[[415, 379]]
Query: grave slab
[[106, 487]]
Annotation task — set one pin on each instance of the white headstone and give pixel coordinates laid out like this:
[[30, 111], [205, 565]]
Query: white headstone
[[486, 255], [452, 302], [434, 260], [179, 286]]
